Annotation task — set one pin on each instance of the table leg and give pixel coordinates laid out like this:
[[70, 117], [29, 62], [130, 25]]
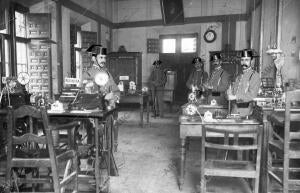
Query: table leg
[[115, 132], [182, 163], [141, 110], [264, 156], [148, 109], [97, 166]]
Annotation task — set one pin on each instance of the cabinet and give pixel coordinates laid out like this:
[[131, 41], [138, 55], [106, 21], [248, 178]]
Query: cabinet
[[126, 67]]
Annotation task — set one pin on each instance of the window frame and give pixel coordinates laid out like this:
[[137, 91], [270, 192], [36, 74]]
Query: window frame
[[178, 38]]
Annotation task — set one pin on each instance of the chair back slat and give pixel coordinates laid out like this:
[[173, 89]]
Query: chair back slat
[[254, 131], [29, 137], [248, 130], [27, 111], [231, 147]]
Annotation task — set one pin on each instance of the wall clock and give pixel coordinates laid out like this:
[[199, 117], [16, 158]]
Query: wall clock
[[23, 78], [210, 36]]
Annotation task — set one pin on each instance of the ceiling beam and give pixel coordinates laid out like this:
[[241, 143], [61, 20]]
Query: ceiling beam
[[189, 20], [84, 11]]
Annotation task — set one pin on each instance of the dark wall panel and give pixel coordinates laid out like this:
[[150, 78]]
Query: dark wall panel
[[172, 11]]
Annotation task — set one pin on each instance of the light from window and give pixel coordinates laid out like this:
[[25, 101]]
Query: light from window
[[168, 45], [21, 57], [78, 64], [7, 56], [20, 24], [188, 45], [78, 43]]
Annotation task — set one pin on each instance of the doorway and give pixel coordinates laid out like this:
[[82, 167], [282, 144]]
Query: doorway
[[177, 53]]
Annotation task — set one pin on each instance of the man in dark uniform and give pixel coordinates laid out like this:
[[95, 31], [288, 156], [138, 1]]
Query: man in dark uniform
[[157, 82], [218, 81], [245, 87], [198, 76], [97, 79]]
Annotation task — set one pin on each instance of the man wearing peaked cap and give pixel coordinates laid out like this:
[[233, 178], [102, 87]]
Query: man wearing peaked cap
[[198, 76], [110, 89], [245, 86], [218, 81], [157, 82]]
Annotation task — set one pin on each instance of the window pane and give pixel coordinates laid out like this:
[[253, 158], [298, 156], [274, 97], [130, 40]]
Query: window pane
[[188, 45], [20, 24], [168, 45], [21, 57]]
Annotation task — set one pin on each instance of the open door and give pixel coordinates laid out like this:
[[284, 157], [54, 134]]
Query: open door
[[177, 53]]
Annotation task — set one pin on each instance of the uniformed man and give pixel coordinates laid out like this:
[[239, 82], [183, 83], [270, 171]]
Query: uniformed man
[[97, 79], [245, 87], [218, 81], [198, 76], [157, 82]]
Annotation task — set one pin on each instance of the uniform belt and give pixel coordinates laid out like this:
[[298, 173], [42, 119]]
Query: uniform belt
[[243, 105], [215, 94]]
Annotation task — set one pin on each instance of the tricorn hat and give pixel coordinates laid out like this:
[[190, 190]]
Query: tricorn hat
[[196, 59], [215, 56], [157, 62], [96, 49], [247, 54]]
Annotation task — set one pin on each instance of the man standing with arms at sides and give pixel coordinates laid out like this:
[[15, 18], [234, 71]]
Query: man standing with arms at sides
[[245, 88], [218, 81], [157, 82]]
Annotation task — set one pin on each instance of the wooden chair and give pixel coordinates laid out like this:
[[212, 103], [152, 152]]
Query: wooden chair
[[234, 167], [284, 147], [32, 149]]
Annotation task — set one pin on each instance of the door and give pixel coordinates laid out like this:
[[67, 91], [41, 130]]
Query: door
[[177, 53]]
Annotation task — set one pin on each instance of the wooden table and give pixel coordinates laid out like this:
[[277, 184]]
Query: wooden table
[[138, 98], [103, 132], [212, 108], [192, 127]]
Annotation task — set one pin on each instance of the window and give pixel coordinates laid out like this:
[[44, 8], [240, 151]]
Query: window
[[20, 24], [168, 45], [188, 45], [78, 63], [7, 56], [21, 57]]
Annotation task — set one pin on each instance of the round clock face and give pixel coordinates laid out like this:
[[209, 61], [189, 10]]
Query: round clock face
[[210, 36], [23, 78]]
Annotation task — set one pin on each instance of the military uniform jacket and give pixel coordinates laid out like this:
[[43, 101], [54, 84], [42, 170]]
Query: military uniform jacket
[[197, 78], [110, 86], [245, 88], [219, 80], [157, 78]]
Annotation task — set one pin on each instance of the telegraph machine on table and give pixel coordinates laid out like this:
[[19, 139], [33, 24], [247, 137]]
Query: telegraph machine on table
[[83, 98]]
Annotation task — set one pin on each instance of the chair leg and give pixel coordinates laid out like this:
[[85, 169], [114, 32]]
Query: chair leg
[[75, 168], [256, 185], [202, 184]]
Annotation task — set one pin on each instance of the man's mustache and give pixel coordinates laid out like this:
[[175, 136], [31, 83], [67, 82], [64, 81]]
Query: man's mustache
[[244, 65]]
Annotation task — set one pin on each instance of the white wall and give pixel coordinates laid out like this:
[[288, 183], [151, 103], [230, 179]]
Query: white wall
[[290, 38], [134, 39]]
